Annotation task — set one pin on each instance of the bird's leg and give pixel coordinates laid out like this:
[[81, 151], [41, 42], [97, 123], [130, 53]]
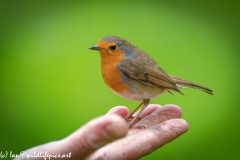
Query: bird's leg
[[145, 102], [130, 114]]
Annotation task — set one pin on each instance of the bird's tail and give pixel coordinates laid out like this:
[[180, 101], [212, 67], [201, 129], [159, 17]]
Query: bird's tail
[[183, 83]]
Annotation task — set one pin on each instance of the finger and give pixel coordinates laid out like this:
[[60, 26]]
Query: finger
[[158, 116], [119, 110], [144, 142], [148, 110], [94, 135]]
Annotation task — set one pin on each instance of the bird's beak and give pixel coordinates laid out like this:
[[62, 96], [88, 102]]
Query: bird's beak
[[94, 48]]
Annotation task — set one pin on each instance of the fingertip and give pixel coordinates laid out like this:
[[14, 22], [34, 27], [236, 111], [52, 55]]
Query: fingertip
[[173, 105], [175, 127], [119, 110], [149, 109], [184, 125], [173, 108], [117, 128], [154, 105]]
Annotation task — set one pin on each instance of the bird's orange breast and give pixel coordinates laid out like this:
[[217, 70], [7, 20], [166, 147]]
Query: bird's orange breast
[[111, 75]]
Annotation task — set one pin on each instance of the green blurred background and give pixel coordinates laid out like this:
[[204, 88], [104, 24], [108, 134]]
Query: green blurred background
[[51, 83]]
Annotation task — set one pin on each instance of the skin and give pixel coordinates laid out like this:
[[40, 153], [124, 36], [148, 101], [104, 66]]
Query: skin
[[108, 136]]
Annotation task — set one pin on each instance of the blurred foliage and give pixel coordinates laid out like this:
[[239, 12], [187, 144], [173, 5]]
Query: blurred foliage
[[51, 83]]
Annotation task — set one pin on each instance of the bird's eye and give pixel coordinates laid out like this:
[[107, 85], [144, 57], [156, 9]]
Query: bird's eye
[[113, 47]]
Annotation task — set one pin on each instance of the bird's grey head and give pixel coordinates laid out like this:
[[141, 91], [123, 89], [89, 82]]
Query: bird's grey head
[[126, 47]]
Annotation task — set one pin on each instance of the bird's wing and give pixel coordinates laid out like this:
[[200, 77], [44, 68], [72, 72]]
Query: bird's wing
[[145, 70]]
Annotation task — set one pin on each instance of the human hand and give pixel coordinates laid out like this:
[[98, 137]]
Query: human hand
[[108, 137]]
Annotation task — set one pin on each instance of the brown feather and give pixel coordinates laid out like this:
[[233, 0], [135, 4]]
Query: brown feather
[[159, 79], [144, 69], [191, 85], [147, 76]]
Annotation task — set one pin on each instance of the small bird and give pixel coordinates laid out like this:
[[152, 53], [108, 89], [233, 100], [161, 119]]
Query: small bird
[[132, 74]]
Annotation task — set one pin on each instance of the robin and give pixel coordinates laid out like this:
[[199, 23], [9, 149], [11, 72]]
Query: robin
[[132, 74]]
